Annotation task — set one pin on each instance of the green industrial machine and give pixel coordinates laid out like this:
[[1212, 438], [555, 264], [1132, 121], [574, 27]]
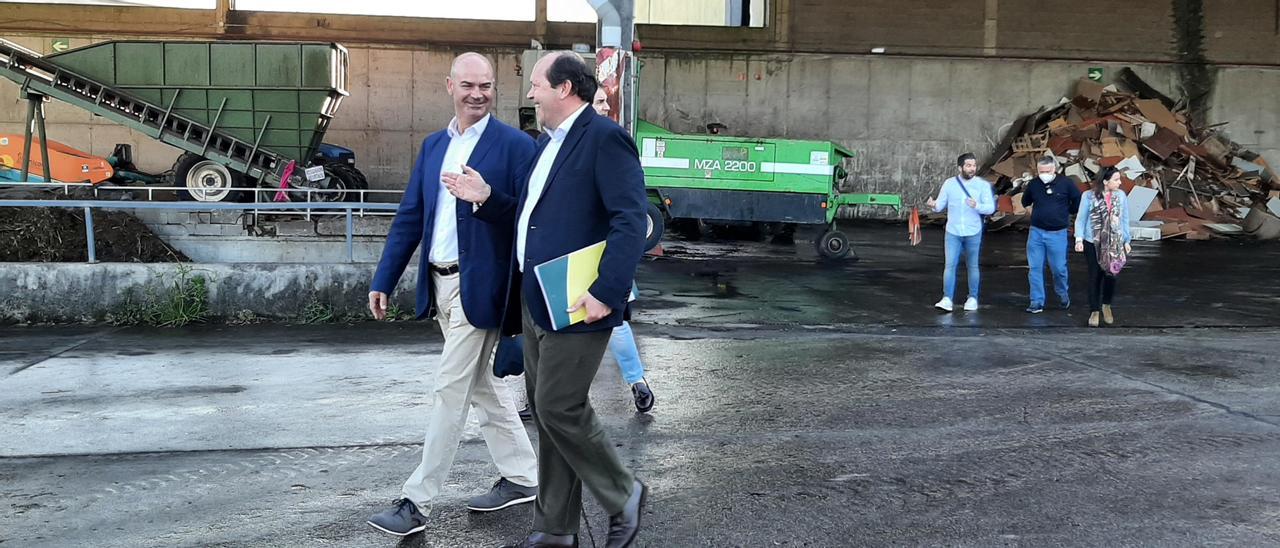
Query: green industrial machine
[[724, 178], [247, 114]]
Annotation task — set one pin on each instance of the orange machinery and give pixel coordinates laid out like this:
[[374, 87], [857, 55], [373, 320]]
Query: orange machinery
[[66, 164]]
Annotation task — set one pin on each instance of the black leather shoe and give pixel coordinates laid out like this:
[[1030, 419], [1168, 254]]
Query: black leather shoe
[[643, 396], [624, 526], [544, 540]]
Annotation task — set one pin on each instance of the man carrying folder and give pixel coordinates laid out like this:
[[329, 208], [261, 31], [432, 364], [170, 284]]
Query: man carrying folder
[[586, 187]]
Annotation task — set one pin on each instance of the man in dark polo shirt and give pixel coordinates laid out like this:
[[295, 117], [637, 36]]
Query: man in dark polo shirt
[[1054, 198]]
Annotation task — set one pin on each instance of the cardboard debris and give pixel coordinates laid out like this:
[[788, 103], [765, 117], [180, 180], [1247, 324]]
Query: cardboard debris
[[1076, 172], [1225, 228], [1154, 111], [1111, 148], [1131, 167], [1088, 93], [1247, 167], [1262, 224], [1162, 143], [1139, 201], [1145, 233], [1191, 180]]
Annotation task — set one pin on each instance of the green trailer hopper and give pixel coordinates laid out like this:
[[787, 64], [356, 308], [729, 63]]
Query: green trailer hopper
[[242, 111], [725, 178]]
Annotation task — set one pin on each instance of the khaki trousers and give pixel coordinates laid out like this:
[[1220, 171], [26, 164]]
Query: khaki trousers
[[463, 380]]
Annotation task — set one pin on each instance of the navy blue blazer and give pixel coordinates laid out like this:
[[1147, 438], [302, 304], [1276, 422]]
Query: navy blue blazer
[[594, 191], [503, 157]]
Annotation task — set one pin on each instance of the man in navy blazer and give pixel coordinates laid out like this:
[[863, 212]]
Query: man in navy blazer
[[463, 264], [585, 186]]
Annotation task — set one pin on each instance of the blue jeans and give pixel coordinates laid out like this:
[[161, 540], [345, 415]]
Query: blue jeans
[[970, 246], [1052, 245], [622, 344]]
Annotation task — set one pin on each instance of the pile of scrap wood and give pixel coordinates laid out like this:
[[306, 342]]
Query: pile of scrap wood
[[1183, 180]]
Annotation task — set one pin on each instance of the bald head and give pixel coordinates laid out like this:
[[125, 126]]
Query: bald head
[[470, 62], [470, 84]]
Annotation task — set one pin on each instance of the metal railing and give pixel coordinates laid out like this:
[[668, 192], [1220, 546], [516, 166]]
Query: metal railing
[[350, 209], [260, 195]]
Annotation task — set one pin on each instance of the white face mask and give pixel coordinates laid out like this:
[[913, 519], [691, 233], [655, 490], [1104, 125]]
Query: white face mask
[[1048, 177]]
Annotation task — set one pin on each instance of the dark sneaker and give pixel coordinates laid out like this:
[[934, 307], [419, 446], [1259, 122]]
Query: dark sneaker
[[525, 414], [402, 520], [1035, 309], [643, 395], [1065, 305], [504, 494]]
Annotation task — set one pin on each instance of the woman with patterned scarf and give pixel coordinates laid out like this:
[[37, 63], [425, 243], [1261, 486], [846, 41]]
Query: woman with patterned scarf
[[1102, 234]]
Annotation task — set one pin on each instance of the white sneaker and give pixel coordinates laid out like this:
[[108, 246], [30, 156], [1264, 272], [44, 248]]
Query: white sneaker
[[944, 304], [971, 304]]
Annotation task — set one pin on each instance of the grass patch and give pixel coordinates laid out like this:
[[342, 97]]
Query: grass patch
[[185, 301]]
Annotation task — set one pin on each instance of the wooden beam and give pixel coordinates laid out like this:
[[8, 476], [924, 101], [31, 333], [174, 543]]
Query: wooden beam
[[364, 29], [991, 28], [673, 37], [220, 15], [68, 20], [780, 22], [540, 21]]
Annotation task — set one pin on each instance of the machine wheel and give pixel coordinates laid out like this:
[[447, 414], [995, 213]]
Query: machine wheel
[[347, 178], [201, 180], [655, 225], [341, 178], [833, 245]]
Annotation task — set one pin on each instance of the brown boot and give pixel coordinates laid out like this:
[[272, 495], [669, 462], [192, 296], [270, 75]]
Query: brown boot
[[1093, 319], [1107, 318]]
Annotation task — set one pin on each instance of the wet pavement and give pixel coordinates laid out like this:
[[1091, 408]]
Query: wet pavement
[[800, 403], [1166, 284]]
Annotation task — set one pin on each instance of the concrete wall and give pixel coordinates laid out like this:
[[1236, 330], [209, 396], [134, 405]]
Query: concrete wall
[[74, 292], [230, 237], [907, 117]]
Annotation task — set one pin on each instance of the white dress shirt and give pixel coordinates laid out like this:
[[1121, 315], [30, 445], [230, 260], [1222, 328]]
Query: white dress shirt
[[538, 180], [962, 220], [444, 232]]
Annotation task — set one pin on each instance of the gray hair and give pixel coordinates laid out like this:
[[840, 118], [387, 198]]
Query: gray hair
[[1048, 161]]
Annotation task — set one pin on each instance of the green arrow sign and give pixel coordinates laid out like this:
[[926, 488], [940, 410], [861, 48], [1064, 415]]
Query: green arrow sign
[[1095, 74], [60, 44]]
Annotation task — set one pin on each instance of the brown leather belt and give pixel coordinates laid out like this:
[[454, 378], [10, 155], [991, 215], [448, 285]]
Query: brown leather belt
[[446, 270]]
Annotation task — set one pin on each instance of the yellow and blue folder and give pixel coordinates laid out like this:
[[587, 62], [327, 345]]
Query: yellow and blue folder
[[566, 279]]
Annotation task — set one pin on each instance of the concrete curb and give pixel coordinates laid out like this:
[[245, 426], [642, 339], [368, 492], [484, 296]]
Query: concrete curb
[[78, 292]]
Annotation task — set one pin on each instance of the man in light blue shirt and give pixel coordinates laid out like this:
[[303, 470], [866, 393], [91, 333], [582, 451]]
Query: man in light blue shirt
[[966, 199]]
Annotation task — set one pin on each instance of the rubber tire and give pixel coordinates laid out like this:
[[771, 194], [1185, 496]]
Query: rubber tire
[[351, 176], [833, 244], [182, 166], [658, 222]]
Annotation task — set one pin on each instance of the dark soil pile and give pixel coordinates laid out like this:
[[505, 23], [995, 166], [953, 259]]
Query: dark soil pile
[[30, 234]]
